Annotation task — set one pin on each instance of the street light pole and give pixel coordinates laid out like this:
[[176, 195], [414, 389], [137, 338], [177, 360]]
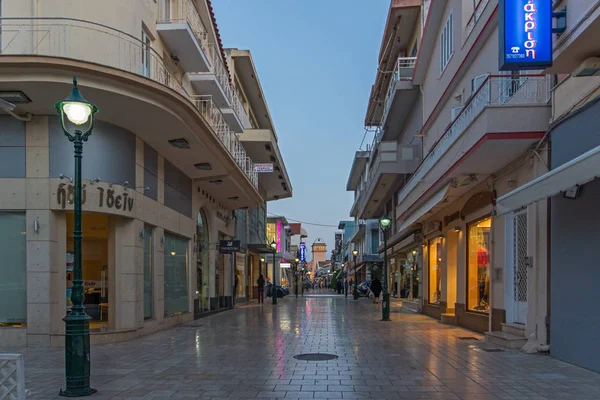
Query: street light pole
[[274, 294], [354, 254], [79, 112], [385, 223], [297, 260]]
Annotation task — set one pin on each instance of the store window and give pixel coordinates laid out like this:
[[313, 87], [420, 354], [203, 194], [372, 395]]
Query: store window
[[409, 276], [202, 260], [176, 282], [148, 271], [95, 267], [13, 269], [478, 266], [435, 270]]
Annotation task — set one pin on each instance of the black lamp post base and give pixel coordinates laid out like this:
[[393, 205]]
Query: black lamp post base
[[385, 307], [77, 393]]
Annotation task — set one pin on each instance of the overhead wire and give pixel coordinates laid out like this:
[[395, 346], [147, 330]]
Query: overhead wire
[[303, 222]]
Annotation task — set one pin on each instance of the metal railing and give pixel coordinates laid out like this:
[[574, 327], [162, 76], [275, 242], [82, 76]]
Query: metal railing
[[185, 11], [12, 377], [230, 139], [479, 9], [496, 90], [100, 44], [403, 71]]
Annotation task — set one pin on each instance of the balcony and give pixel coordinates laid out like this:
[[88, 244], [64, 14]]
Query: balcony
[[68, 38], [228, 137], [182, 29], [389, 165], [400, 97], [498, 123]]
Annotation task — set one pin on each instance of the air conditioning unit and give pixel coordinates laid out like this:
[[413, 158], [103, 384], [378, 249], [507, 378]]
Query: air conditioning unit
[[590, 67], [455, 112]]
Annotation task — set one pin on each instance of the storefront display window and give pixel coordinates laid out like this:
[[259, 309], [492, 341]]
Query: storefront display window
[[435, 270], [176, 282], [94, 266], [148, 271], [202, 260], [478, 266], [409, 276], [13, 269]]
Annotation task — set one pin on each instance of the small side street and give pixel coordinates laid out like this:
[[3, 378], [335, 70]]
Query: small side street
[[248, 353]]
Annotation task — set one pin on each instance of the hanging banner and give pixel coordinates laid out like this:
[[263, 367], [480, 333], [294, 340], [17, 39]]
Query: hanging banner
[[302, 251], [525, 34]]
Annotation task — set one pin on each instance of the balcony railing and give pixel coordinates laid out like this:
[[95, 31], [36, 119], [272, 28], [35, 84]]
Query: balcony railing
[[184, 11], [100, 44], [479, 9], [496, 90], [403, 71], [230, 140]]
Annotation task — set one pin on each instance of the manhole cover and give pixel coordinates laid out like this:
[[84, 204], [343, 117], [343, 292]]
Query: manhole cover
[[467, 338], [493, 350], [315, 357]]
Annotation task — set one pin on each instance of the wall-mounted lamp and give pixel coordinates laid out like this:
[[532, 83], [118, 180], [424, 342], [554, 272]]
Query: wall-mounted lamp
[[93, 181], [36, 226], [63, 176], [173, 253], [457, 229]]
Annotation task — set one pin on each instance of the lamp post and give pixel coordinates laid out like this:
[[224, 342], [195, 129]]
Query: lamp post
[[385, 224], [80, 114], [297, 260], [354, 254], [274, 294]]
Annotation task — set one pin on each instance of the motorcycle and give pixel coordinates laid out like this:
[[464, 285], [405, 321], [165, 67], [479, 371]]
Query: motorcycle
[[281, 292], [364, 289]]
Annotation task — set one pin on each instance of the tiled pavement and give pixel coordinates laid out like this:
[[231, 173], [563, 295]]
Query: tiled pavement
[[247, 353]]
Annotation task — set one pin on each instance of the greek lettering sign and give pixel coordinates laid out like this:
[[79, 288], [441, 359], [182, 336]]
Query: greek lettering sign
[[525, 34], [107, 198], [229, 246], [302, 251], [263, 167]]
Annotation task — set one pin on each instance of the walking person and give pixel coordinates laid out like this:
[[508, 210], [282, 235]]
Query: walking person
[[376, 289], [345, 287], [260, 282]]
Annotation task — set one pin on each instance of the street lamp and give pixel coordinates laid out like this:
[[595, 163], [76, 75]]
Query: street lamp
[[385, 225], [274, 294], [80, 114], [297, 260], [354, 254]]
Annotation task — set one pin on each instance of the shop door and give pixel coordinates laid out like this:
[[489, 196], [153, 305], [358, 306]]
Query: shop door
[[520, 267]]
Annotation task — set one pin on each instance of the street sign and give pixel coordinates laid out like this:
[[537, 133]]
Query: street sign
[[285, 265], [266, 167], [229, 246], [525, 34]]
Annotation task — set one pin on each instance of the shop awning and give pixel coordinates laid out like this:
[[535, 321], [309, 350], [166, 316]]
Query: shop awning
[[260, 248], [427, 206], [578, 171]]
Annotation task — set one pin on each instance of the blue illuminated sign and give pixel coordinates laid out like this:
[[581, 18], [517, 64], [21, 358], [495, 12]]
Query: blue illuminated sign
[[525, 34], [302, 252]]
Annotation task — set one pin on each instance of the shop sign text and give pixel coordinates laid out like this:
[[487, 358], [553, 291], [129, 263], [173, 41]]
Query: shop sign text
[[106, 198]]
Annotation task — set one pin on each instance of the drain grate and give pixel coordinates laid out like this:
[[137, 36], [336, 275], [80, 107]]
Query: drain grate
[[315, 357], [467, 338], [493, 350]]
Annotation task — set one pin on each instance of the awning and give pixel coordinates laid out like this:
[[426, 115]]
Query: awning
[[578, 171], [260, 248], [425, 208]]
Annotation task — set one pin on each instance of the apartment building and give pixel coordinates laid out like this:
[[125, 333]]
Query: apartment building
[[474, 135], [567, 192], [164, 169]]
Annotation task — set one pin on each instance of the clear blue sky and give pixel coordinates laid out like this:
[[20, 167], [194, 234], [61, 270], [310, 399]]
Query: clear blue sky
[[316, 61]]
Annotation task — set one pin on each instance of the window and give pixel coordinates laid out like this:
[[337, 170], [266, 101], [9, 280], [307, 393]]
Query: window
[[176, 283], [478, 265], [13, 269], [146, 53], [435, 270], [374, 241], [148, 271], [202, 266], [447, 42]]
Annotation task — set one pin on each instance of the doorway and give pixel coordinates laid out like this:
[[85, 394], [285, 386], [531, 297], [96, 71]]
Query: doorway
[[95, 267], [516, 269]]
